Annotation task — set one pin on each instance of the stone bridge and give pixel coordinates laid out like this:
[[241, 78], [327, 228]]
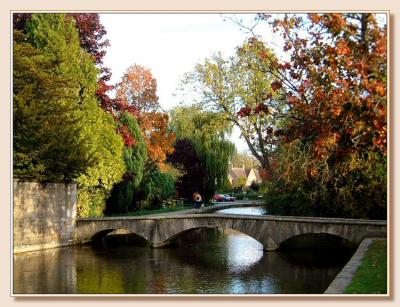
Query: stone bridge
[[271, 231]]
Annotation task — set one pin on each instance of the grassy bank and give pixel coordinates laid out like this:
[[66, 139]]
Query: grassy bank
[[371, 276]]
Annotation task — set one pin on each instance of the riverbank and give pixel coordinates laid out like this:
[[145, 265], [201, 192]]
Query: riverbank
[[371, 276], [366, 272]]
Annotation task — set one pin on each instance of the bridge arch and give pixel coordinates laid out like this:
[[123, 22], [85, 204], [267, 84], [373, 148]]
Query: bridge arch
[[100, 236], [180, 235], [271, 231], [316, 240], [170, 229], [352, 234]]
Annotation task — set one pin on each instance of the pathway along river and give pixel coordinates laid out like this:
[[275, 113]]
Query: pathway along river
[[204, 261]]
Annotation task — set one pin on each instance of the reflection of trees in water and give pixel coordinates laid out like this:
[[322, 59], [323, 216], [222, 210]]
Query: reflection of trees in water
[[40, 271], [294, 276], [204, 255], [201, 263], [296, 271]]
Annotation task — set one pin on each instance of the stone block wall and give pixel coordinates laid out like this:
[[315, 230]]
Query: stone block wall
[[44, 215]]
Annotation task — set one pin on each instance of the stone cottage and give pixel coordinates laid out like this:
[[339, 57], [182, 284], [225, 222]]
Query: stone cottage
[[238, 176]]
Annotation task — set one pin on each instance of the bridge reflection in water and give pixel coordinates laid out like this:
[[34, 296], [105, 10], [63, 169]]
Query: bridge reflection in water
[[200, 261]]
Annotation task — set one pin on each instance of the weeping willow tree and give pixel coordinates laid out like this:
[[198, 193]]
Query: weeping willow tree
[[207, 131]]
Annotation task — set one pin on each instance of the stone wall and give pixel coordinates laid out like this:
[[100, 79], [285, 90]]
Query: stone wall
[[44, 215]]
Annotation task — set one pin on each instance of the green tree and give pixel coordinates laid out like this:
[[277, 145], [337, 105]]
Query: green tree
[[156, 186], [207, 130], [60, 133], [239, 88], [135, 156], [243, 159]]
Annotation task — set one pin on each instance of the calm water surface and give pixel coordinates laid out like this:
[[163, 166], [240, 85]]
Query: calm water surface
[[245, 210], [203, 261]]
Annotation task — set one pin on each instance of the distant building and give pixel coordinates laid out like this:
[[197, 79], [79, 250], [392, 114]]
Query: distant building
[[241, 176]]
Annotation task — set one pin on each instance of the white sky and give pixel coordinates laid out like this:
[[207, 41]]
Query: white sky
[[169, 45]]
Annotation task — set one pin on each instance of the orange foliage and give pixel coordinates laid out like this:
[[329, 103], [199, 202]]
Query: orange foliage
[[138, 89], [159, 140], [345, 84]]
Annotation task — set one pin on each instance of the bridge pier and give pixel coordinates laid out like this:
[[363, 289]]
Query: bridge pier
[[159, 244], [270, 246]]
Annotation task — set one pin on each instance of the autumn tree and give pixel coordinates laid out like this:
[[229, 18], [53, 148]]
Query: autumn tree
[[138, 89], [60, 133], [91, 36], [333, 144]]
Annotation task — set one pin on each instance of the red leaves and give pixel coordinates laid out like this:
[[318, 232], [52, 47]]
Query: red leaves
[[128, 138], [247, 111], [291, 100], [294, 75], [244, 111], [276, 85], [261, 108], [287, 46], [91, 32], [285, 66]]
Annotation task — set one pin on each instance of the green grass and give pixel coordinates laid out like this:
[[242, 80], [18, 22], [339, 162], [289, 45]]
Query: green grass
[[371, 276]]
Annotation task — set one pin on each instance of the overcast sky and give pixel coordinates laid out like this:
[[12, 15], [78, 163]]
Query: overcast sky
[[169, 45]]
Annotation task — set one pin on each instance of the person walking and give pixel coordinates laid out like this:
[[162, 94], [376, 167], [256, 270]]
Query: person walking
[[197, 200]]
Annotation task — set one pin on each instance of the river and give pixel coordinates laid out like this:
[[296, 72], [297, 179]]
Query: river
[[203, 261]]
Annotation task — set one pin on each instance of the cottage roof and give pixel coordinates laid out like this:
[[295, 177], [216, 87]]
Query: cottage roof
[[237, 172]]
